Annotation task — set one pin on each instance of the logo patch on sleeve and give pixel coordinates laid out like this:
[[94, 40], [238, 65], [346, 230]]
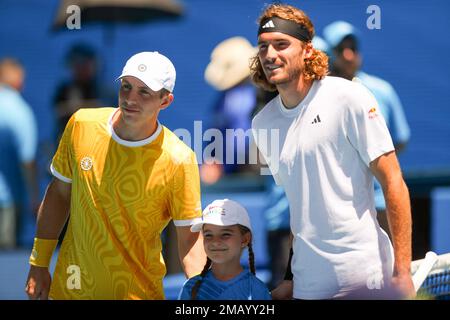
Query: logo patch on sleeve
[[373, 113]]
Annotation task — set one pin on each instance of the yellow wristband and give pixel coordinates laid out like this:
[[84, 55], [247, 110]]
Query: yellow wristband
[[42, 252]]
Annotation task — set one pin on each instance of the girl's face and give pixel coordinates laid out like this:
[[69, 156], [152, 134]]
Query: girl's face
[[224, 244]]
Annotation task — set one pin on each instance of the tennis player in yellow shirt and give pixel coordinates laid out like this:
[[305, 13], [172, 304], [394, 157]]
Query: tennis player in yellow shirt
[[122, 176]]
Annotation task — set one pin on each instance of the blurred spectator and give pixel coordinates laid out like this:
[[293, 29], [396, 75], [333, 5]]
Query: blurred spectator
[[81, 90], [18, 143], [228, 72], [344, 40], [320, 44]]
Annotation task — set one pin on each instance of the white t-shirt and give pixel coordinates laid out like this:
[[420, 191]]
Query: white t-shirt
[[325, 146]]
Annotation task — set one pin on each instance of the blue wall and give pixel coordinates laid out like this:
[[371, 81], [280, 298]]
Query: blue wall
[[410, 51]]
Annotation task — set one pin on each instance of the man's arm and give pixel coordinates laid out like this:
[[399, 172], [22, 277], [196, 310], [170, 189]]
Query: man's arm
[[190, 250], [52, 216], [387, 171]]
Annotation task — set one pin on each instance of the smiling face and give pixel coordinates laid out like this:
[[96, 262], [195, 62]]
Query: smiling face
[[224, 244], [138, 102], [282, 57]]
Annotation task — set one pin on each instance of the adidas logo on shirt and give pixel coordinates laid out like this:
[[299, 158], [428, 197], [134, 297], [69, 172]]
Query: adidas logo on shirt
[[316, 120], [269, 24]]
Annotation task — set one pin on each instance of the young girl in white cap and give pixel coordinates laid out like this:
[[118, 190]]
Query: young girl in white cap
[[226, 233]]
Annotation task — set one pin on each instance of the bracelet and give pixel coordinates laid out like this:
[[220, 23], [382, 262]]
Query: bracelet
[[42, 252]]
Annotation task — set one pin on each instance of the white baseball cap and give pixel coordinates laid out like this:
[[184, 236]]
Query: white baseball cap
[[153, 69], [222, 213]]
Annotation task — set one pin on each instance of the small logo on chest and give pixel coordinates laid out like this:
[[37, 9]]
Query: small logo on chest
[[86, 163], [316, 120]]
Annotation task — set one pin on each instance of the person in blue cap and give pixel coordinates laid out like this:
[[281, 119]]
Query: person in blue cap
[[343, 40]]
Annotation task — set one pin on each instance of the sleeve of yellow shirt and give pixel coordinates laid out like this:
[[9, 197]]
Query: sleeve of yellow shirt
[[62, 160], [184, 196]]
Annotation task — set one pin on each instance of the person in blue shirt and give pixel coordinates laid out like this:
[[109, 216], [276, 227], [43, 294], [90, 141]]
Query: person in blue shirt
[[343, 41], [19, 191], [226, 230]]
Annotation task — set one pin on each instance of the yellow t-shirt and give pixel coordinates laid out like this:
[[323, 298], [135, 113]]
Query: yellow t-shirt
[[123, 195]]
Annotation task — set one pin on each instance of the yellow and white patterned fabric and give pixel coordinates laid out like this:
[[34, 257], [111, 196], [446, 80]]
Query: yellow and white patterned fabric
[[123, 196]]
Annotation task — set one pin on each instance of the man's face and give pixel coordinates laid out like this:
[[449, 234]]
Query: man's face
[[347, 59], [281, 56], [138, 103]]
